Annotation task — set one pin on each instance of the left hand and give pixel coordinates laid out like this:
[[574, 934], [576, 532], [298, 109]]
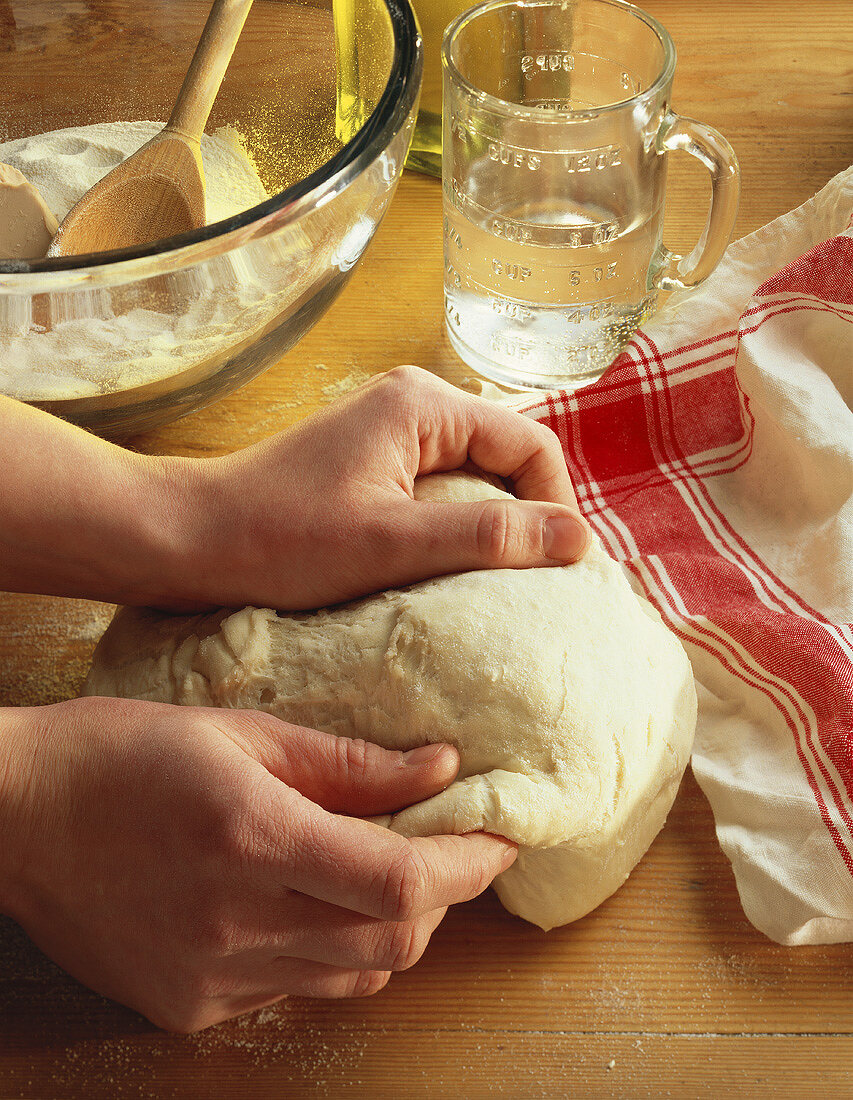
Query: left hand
[[195, 864]]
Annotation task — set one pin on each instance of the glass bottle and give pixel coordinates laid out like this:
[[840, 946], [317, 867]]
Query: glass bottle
[[352, 33]]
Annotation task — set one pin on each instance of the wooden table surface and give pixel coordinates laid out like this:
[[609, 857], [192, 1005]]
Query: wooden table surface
[[665, 990]]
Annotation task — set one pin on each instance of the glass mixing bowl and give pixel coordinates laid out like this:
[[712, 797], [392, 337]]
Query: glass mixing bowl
[[123, 341]]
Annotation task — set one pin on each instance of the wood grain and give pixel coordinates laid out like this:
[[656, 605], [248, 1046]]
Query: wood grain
[[665, 990]]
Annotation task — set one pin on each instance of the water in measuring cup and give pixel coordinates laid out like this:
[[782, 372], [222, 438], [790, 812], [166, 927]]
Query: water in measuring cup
[[545, 294]]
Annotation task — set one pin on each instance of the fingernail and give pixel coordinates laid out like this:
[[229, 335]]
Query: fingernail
[[416, 758], [509, 857], [564, 538]]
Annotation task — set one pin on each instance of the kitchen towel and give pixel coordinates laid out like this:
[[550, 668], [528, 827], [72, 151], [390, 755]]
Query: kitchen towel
[[715, 459]]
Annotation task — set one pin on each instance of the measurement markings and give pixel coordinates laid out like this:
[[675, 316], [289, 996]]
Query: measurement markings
[[467, 282], [521, 156], [521, 231]]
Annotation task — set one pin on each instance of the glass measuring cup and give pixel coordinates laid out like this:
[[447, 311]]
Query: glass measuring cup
[[556, 129]]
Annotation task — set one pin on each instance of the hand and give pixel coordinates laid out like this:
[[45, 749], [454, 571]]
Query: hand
[[325, 512], [195, 864], [321, 513]]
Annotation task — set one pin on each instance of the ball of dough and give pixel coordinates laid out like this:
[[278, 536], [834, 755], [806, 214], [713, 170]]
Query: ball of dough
[[572, 706]]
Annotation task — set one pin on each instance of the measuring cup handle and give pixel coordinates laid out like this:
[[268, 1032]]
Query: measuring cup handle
[[712, 149]]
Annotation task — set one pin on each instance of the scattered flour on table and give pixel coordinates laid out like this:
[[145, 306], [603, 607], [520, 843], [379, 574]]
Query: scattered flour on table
[[344, 385], [46, 646]]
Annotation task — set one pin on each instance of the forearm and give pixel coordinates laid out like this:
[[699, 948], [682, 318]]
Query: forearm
[[82, 517], [323, 513]]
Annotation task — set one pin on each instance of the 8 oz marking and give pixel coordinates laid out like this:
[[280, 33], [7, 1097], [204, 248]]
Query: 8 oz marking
[[602, 233]]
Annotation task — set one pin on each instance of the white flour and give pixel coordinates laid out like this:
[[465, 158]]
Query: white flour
[[99, 340], [64, 164]]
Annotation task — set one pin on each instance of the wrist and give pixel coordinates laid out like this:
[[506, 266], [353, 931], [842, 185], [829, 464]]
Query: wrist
[[184, 534], [225, 538], [132, 534], [168, 530]]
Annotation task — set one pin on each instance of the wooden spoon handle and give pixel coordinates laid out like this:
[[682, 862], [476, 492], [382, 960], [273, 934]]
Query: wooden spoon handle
[[207, 68]]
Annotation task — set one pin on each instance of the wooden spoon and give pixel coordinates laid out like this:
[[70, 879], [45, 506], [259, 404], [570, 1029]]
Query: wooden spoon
[[159, 190]]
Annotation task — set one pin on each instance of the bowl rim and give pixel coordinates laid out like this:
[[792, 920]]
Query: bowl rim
[[394, 106]]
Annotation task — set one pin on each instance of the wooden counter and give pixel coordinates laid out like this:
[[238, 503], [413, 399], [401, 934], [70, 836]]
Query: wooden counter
[[665, 990]]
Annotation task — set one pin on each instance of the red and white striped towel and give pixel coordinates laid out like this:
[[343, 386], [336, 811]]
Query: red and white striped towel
[[715, 460]]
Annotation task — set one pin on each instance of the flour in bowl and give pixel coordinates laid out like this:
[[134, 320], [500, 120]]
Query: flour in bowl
[[64, 164], [90, 341]]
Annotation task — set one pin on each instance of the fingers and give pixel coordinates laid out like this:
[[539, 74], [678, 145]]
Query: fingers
[[344, 775], [324, 951], [397, 879], [454, 426], [527, 453], [265, 985], [361, 866], [339, 938], [421, 539], [304, 928], [301, 978]]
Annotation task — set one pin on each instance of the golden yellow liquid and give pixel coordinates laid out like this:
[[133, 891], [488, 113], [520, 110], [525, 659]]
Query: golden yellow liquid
[[359, 25], [351, 18]]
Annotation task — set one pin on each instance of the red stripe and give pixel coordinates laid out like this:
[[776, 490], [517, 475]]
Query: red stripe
[[841, 314], [761, 623], [621, 380], [824, 271], [793, 300], [697, 488], [694, 584], [557, 417], [617, 377], [797, 650], [749, 558], [660, 521], [717, 648], [829, 735]]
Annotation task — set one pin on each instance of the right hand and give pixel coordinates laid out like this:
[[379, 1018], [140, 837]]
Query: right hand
[[195, 864]]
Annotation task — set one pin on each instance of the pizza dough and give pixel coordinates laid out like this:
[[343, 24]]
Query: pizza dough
[[571, 704]]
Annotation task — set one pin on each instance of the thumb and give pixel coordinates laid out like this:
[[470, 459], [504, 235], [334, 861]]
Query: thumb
[[432, 539], [346, 775]]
